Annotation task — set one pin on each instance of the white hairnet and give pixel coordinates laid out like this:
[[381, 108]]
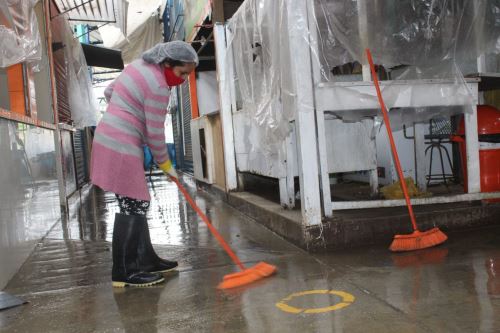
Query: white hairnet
[[175, 50]]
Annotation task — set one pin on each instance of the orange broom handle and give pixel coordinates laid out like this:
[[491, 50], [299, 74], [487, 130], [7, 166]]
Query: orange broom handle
[[209, 225], [391, 140]]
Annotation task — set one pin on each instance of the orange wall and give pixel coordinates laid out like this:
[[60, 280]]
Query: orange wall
[[195, 113], [16, 89]]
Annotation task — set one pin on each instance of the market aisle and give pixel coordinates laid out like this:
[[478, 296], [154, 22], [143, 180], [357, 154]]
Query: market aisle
[[454, 288]]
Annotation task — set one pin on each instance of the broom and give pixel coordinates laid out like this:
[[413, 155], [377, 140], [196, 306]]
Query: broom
[[246, 275], [417, 239]]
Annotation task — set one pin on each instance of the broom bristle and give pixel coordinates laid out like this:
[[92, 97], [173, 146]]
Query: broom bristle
[[265, 269], [418, 240], [244, 279], [249, 275]]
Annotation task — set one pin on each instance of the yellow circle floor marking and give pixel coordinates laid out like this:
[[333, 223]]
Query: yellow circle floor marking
[[347, 299]]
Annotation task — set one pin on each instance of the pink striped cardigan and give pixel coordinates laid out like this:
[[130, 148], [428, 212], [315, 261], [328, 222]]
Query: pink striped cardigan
[[135, 115]]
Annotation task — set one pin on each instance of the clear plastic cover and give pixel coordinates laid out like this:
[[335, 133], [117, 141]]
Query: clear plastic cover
[[419, 47], [419, 33], [261, 56], [19, 35], [82, 103]]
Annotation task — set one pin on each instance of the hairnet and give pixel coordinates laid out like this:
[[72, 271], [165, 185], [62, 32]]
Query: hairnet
[[175, 50]]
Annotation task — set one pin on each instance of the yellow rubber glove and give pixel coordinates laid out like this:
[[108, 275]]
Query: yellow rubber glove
[[168, 169]]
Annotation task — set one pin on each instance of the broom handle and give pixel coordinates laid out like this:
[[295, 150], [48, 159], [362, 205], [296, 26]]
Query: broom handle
[[205, 219], [391, 140]]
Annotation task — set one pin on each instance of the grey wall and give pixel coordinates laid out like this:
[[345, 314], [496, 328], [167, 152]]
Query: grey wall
[[4, 91], [29, 196]]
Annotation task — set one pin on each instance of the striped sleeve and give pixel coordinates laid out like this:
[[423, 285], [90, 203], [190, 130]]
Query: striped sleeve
[[155, 110]]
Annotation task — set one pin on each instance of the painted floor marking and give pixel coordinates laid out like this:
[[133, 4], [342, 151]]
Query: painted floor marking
[[347, 299]]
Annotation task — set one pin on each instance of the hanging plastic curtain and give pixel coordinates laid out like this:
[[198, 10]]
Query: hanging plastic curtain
[[19, 35]]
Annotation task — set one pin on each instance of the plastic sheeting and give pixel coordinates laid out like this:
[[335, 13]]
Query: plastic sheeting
[[19, 35], [143, 37], [261, 58], [419, 33], [409, 39], [82, 103]]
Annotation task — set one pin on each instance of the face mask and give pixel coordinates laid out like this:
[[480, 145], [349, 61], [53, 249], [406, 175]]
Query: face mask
[[172, 79]]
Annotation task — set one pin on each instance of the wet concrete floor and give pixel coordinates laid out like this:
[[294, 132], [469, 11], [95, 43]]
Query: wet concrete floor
[[66, 280]]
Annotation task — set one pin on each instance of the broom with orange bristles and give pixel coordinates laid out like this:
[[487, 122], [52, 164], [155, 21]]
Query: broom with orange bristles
[[417, 239], [246, 275]]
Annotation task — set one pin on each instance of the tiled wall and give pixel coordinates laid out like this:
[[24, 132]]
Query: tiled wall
[[29, 195]]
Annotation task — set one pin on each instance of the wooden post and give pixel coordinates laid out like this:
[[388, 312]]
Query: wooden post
[[225, 80], [57, 134], [305, 121]]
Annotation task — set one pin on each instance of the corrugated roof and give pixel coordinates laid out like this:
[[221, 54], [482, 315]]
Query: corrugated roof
[[95, 11]]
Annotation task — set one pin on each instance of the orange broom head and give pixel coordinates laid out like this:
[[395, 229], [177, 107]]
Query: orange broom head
[[418, 240], [247, 276]]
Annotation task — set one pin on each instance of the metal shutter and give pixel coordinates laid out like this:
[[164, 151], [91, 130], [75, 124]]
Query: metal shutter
[[177, 132], [63, 108], [79, 151], [186, 127]]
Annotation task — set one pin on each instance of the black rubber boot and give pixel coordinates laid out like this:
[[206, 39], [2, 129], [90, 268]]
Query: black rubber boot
[[126, 270], [148, 259]]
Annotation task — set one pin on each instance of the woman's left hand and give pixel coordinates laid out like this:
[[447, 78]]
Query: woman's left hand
[[169, 169]]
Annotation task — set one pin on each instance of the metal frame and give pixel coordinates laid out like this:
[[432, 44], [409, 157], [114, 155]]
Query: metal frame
[[71, 8], [325, 102], [287, 197], [83, 4], [89, 30], [344, 205]]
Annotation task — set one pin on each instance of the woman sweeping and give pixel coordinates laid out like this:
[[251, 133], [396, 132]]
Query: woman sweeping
[[135, 116]]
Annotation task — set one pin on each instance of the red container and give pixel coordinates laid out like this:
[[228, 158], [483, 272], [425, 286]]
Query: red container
[[488, 125]]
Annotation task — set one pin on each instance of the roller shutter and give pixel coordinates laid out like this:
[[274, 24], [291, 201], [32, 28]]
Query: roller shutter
[[80, 158], [186, 127]]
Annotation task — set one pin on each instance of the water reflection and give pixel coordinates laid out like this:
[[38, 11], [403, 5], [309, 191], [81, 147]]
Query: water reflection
[[171, 220], [29, 201], [130, 303], [430, 256], [493, 270]]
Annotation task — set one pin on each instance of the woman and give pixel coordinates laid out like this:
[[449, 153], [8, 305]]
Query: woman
[[135, 116]]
